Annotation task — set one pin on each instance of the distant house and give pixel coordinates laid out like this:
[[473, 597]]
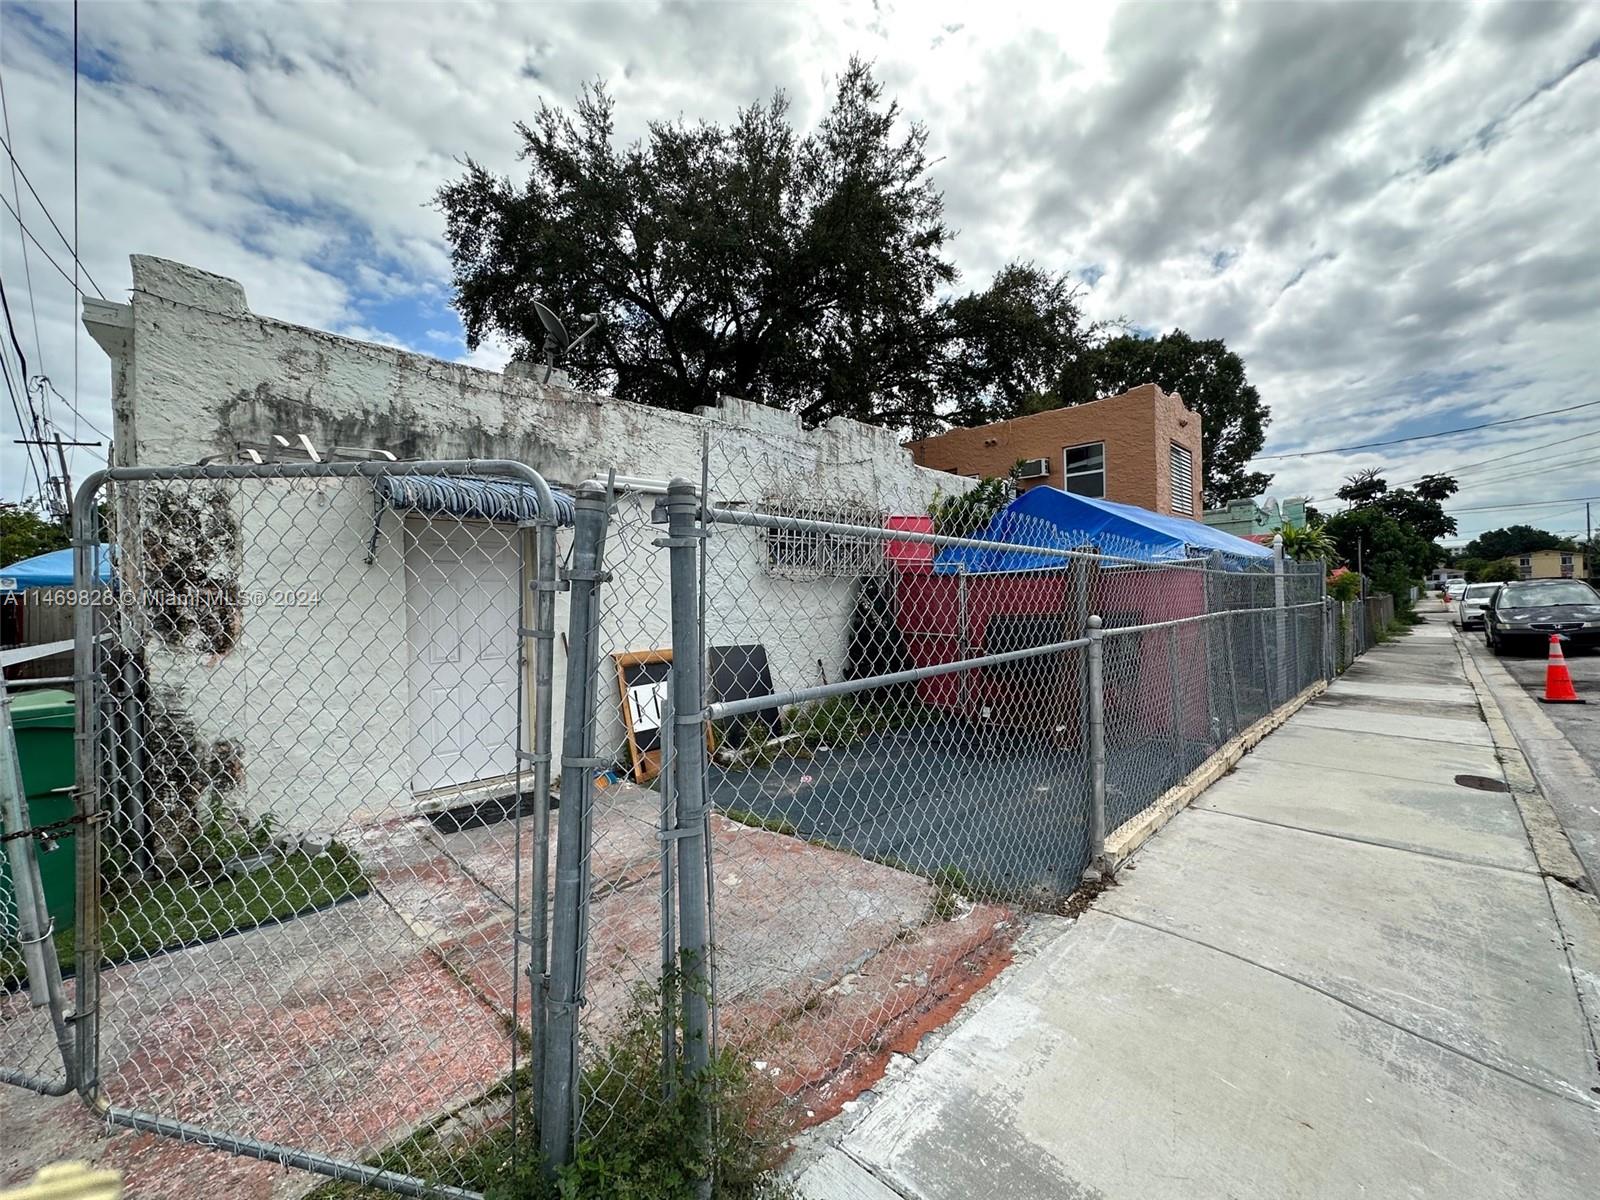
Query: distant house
[[1141, 448], [1548, 564], [1250, 518]]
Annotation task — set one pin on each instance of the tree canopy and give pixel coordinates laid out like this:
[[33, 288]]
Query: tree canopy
[[804, 270], [1392, 533], [748, 260], [1513, 540], [1212, 381], [24, 532]]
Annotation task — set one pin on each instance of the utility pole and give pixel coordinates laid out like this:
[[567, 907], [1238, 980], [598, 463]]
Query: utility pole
[[1361, 574], [1588, 542], [61, 501]]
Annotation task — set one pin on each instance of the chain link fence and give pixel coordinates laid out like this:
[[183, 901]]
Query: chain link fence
[[1354, 627], [313, 742], [819, 751], [833, 754]]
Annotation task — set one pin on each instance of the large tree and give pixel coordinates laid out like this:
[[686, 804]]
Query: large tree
[[747, 260], [1012, 345], [1392, 534], [1211, 379], [24, 532], [1514, 540]]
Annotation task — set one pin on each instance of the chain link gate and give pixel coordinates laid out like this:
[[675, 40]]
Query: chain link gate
[[313, 759]]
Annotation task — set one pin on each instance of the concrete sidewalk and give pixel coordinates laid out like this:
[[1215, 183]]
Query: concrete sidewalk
[[1345, 971]]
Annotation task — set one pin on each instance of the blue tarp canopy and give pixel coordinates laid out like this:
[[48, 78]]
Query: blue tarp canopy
[[1050, 518], [48, 570], [468, 496]]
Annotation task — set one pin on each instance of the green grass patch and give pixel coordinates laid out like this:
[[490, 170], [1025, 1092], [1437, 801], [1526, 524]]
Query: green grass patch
[[656, 1143], [151, 916]]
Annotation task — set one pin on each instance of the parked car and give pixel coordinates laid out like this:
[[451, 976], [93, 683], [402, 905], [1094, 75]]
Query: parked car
[[1469, 609], [1453, 590], [1527, 613]]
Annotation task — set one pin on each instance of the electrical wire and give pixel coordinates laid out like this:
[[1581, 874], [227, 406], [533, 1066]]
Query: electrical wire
[[1422, 437], [1545, 468], [5, 144], [77, 262], [28, 233], [73, 409], [1531, 504], [1456, 472], [27, 265]]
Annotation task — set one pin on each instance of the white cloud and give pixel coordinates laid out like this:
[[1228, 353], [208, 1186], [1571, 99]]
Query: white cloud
[[1424, 173]]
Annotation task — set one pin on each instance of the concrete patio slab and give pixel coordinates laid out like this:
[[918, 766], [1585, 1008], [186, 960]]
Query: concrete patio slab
[[1128, 1064], [1464, 955], [1447, 820]]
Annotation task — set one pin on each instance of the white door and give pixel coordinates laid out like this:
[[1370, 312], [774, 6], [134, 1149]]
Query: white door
[[461, 631]]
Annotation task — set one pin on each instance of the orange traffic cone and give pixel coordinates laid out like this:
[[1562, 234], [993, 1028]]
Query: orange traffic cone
[[1558, 687]]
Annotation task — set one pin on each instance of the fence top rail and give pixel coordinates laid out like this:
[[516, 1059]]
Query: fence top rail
[[764, 520], [330, 470], [1119, 630]]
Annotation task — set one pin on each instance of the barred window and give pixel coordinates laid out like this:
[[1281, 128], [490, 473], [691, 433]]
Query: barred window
[[814, 553]]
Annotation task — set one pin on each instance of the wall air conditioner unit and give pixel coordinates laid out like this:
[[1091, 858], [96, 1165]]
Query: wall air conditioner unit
[[1034, 468]]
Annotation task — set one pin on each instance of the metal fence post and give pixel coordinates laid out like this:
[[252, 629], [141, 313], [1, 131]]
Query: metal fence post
[[1280, 623], [545, 585], [85, 672], [560, 1084], [684, 534], [1097, 749], [1175, 701]]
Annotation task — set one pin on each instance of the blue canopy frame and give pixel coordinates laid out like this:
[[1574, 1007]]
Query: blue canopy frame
[[1048, 518]]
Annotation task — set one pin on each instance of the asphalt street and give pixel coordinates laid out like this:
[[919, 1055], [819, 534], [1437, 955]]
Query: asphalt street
[[1579, 722]]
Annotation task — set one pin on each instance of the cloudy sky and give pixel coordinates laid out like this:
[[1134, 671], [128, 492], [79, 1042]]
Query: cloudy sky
[[1388, 209]]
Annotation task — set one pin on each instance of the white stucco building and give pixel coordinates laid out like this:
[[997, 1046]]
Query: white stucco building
[[366, 662]]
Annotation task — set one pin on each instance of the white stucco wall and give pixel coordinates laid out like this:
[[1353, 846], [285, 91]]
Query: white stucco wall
[[316, 697]]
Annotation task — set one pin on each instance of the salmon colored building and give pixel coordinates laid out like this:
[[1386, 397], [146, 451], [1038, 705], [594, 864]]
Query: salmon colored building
[[1141, 447]]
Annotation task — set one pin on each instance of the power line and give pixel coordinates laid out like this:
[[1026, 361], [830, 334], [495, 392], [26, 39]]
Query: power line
[[27, 266], [73, 408], [1453, 472], [29, 234], [5, 144], [27, 451], [77, 263], [1422, 437], [1545, 468], [1532, 504]]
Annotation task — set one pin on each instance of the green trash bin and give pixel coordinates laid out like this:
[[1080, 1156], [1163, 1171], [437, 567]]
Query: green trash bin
[[43, 723]]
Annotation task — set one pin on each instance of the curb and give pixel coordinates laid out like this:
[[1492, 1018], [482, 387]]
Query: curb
[[1553, 850], [1133, 833]]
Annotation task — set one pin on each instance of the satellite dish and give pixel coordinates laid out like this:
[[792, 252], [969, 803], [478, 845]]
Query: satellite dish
[[555, 333], [556, 341]]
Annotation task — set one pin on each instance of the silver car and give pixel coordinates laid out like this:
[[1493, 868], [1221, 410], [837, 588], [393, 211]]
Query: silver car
[[1471, 603]]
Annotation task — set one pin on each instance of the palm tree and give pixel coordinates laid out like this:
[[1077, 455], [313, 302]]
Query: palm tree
[[1305, 543]]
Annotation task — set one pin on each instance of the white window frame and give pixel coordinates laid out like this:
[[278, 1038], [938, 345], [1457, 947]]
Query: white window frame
[[1068, 474], [1173, 450]]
